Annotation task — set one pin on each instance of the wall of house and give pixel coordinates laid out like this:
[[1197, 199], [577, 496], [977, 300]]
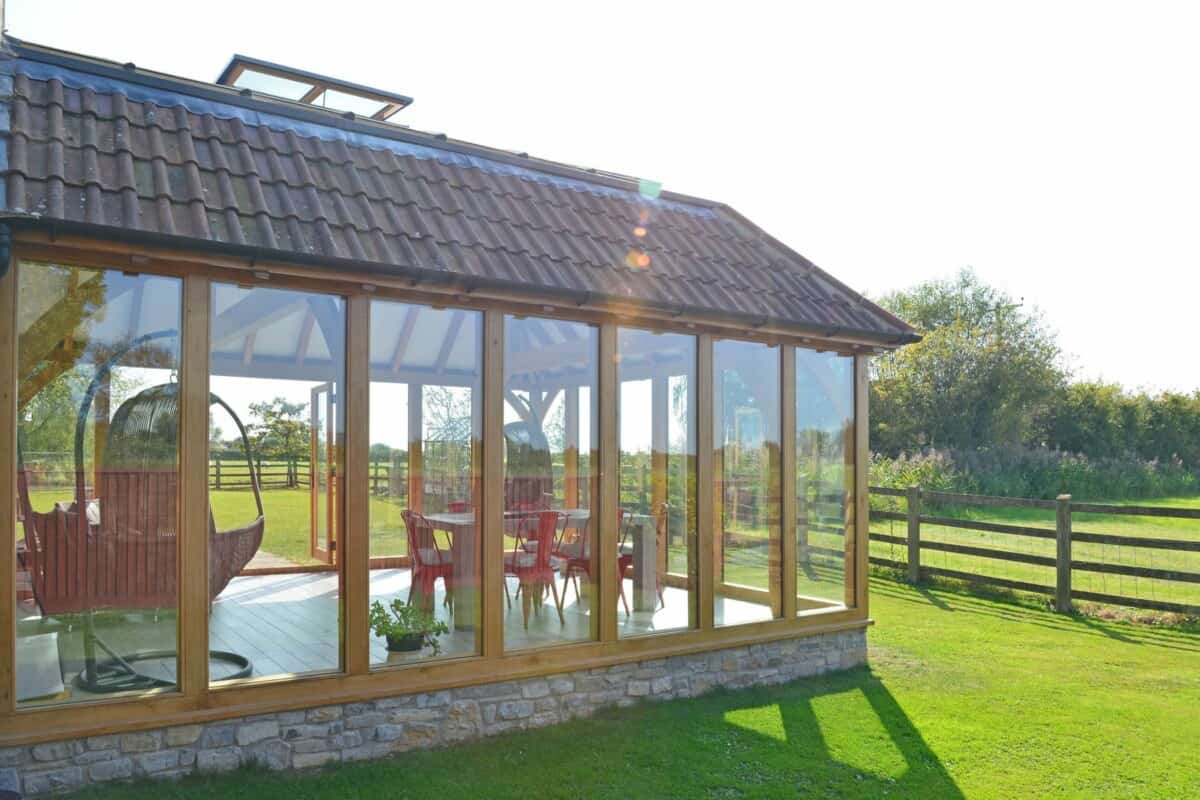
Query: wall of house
[[325, 735]]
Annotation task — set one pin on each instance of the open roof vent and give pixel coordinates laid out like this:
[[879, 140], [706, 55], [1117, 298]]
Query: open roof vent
[[310, 88]]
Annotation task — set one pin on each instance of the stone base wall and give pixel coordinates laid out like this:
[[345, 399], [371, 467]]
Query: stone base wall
[[324, 735]]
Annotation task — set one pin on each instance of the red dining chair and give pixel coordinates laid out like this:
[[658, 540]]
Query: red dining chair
[[533, 569], [458, 507], [574, 554], [429, 560]]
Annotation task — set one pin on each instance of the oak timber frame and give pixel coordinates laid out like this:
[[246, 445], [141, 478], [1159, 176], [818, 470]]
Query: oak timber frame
[[194, 700]]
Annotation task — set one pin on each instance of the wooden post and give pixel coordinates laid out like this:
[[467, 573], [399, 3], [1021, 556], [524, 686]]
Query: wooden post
[[217, 460], [354, 556], [660, 445], [492, 518], [858, 529], [1062, 594], [192, 557], [802, 508], [790, 486], [604, 604], [914, 534], [706, 497], [571, 449], [416, 434], [8, 480]]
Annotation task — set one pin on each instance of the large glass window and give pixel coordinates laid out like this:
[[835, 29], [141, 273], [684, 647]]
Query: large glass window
[[97, 482], [824, 477], [277, 429], [746, 470], [656, 545], [426, 368], [550, 480]]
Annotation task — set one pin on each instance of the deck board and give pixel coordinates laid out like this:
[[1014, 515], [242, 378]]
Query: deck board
[[287, 624]]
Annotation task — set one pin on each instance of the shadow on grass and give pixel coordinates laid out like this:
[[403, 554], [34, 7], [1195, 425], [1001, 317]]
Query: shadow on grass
[[835, 736], [1020, 610]]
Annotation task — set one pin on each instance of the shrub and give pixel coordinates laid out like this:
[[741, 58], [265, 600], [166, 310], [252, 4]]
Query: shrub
[[1034, 472]]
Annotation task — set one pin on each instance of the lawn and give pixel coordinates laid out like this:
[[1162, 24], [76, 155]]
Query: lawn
[[1153, 589], [964, 698]]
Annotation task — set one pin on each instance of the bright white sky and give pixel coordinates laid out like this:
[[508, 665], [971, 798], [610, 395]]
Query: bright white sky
[[1053, 146]]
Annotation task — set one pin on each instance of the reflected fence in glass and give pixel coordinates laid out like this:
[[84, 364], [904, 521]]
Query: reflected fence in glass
[[824, 478], [277, 380], [656, 540], [746, 471], [98, 369], [551, 432], [97, 483], [425, 515]]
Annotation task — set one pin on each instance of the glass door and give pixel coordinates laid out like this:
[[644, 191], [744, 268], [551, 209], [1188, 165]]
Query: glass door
[[322, 414]]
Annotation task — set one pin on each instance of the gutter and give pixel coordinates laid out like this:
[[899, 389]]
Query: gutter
[[450, 280]]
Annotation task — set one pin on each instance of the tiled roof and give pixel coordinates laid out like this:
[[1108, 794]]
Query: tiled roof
[[164, 158]]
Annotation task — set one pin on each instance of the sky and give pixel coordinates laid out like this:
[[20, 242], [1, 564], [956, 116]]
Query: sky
[[1054, 147]]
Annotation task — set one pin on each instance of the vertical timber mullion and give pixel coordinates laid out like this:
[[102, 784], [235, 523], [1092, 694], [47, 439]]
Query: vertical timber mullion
[[8, 487], [787, 385], [862, 509], [492, 557], [704, 478], [610, 486], [192, 558], [354, 555]]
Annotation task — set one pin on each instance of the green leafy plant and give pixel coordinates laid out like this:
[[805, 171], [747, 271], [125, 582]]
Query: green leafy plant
[[400, 619]]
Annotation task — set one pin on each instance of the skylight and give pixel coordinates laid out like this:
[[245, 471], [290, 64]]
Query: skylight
[[300, 86]]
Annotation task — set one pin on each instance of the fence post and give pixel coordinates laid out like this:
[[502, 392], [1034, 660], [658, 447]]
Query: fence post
[[218, 460], [802, 506], [1062, 595], [914, 534]]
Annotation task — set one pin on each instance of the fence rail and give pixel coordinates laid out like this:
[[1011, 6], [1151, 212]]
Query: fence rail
[[1062, 534]]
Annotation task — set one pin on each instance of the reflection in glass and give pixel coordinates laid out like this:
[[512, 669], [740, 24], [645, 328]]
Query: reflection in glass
[[426, 372], [550, 489], [824, 477], [746, 470], [97, 483], [657, 514], [277, 366]]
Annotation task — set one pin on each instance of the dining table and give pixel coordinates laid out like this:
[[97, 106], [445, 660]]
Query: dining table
[[640, 541]]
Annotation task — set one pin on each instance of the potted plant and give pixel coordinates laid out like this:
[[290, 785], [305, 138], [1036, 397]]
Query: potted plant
[[406, 627]]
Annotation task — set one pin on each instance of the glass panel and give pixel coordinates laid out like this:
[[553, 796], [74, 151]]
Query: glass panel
[[657, 516], [824, 477], [746, 470], [342, 101], [426, 374], [550, 487], [272, 84], [97, 483], [277, 434]]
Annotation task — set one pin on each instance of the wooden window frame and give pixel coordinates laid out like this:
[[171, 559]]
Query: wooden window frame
[[195, 701]]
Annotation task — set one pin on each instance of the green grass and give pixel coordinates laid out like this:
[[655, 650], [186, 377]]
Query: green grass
[[964, 698], [1156, 527]]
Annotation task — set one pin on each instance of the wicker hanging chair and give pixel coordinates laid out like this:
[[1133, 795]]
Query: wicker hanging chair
[[118, 550]]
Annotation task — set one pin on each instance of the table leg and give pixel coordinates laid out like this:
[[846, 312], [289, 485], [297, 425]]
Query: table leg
[[645, 565], [466, 578]]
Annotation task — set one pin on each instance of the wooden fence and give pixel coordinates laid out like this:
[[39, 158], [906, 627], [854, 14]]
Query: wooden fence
[[1063, 535]]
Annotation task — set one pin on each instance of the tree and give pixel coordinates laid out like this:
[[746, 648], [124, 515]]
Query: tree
[[983, 374], [281, 430]]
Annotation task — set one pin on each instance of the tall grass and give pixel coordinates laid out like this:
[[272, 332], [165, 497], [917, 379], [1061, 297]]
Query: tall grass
[[1042, 473]]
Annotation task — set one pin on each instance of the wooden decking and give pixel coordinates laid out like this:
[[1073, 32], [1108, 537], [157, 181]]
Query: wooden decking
[[288, 624]]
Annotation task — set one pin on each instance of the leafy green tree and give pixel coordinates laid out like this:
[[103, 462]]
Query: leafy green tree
[[982, 375], [280, 429]]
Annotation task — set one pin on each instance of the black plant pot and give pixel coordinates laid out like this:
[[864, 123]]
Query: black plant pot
[[406, 643]]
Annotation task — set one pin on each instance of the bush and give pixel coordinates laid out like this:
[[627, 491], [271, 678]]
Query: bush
[[1038, 473]]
